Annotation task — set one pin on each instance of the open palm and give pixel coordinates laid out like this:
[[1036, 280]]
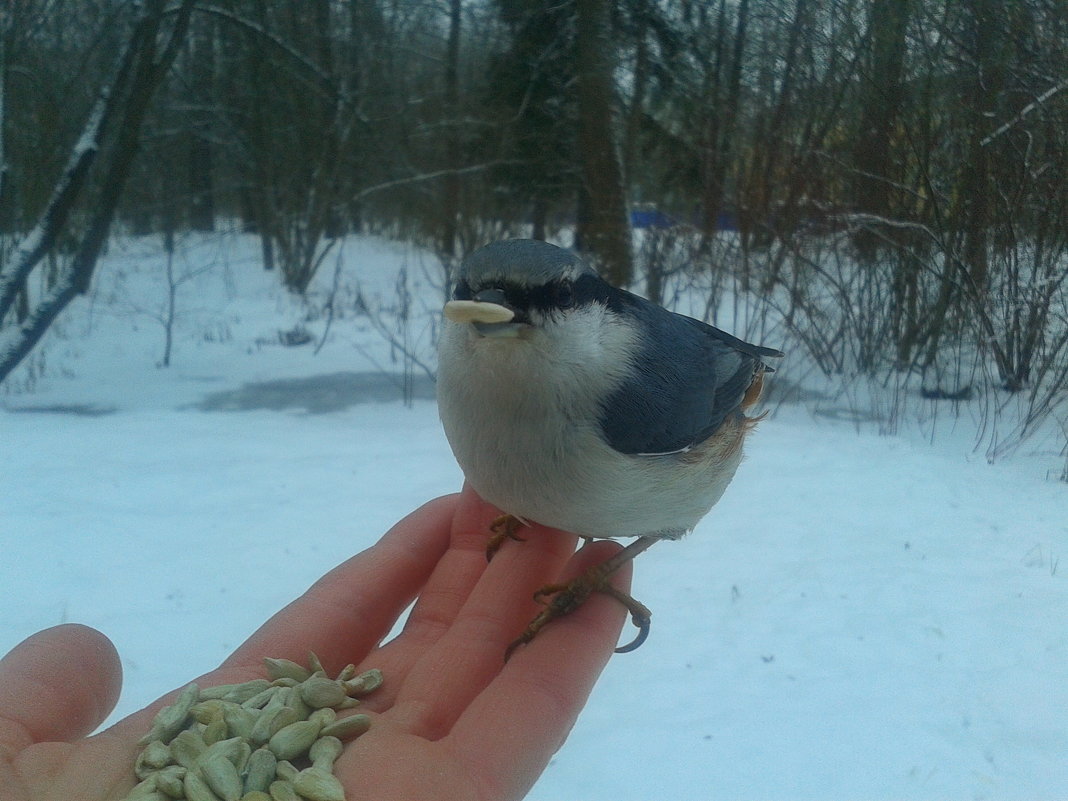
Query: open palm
[[452, 720]]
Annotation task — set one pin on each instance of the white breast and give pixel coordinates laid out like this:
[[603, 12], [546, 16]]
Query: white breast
[[522, 413]]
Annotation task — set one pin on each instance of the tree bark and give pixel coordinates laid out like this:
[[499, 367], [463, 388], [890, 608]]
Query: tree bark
[[603, 230], [199, 153], [719, 147], [139, 74], [451, 199], [881, 101]]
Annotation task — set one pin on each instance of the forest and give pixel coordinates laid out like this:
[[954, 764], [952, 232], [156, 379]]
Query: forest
[[879, 183]]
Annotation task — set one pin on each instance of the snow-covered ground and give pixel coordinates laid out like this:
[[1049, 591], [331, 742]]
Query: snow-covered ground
[[860, 617]]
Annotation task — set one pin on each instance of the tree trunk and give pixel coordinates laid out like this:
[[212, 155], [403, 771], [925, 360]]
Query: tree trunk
[[603, 230], [883, 95], [636, 107], [138, 76], [719, 144], [199, 151], [451, 194], [990, 47], [7, 210]]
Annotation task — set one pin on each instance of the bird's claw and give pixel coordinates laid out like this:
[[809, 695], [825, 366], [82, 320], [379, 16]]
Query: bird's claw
[[566, 598], [502, 528], [640, 616]]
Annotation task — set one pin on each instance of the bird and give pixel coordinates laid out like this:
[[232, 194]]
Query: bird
[[581, 406]]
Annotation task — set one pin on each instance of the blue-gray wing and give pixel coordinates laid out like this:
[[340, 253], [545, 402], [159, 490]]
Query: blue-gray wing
[[680, 394]]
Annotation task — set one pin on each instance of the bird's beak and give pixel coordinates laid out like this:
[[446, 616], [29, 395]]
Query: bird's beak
[[477, 311], [488, 319]]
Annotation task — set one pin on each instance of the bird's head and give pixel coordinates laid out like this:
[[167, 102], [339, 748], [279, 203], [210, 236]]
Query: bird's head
[[516, 287]]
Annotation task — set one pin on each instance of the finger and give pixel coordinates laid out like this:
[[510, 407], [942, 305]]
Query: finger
[[348, 611], [443, 596], [521, 719], [471, 653], [57, 685], [457, 573]]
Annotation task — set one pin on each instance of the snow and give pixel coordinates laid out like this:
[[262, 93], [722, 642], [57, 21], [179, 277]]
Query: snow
[[861, 616]]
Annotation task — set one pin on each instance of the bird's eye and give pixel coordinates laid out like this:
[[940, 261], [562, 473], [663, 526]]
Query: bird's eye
[[462, 291], [563, 295]]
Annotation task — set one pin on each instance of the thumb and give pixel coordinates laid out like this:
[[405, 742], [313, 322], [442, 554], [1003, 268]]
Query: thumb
[[58, 684]]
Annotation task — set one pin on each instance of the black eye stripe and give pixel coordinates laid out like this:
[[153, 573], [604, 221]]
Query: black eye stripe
[[462, 291], [552, 297], [516, 295], [563, 294]]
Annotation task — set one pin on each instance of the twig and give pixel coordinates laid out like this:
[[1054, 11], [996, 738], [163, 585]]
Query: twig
[[323, 82], [429, 176], [330, 302], [1038, 101]]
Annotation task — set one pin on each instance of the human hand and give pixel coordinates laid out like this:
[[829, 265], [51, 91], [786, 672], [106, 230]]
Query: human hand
[[451, 721]]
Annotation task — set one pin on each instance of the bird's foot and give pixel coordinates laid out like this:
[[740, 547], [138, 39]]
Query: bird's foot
[[566, 598], [502, 528]]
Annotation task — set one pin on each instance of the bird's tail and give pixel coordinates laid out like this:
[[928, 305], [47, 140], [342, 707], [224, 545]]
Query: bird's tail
[[752, 395]]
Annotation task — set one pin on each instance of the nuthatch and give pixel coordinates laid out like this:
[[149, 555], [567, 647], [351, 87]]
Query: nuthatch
[[583, 407]]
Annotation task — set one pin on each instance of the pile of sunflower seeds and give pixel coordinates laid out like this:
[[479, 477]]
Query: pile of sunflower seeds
[[271, 739]]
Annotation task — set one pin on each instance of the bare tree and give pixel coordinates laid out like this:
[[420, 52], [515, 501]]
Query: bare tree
[[603, 229], [724, 87], [117, 116], [451, 193], [881, 98]]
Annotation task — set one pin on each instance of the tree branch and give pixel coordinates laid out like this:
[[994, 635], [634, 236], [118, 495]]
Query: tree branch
[[324, 82], [53, 219], [1038, 101], [143, 72], [429, 176]]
